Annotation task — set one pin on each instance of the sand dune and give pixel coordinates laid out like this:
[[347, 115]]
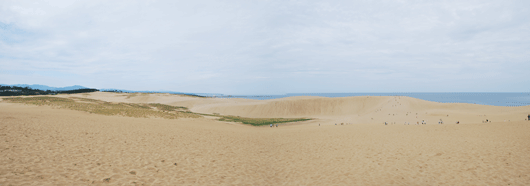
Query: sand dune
[[368, 109], [45, 146]]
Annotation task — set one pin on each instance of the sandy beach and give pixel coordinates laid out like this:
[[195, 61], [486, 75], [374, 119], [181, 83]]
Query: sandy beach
[[42, 145]]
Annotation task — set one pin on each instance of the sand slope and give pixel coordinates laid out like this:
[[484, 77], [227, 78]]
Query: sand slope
[[368, 109], [45, 146]]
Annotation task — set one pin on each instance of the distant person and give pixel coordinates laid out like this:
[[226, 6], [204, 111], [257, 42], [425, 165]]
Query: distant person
[[319, 124], [276, 125], [270, 125], [457, 122]]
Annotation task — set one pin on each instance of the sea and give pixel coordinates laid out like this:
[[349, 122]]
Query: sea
[[514, 99]]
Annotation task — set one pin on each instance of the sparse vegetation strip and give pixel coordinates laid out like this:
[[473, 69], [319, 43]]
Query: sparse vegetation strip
[[106, 108], [259, 121], [166, 107]]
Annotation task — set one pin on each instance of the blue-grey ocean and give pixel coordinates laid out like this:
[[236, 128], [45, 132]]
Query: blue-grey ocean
[[496, 99]]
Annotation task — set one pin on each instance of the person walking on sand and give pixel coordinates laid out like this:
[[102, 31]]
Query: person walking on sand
[[276, 125], [270, 125]]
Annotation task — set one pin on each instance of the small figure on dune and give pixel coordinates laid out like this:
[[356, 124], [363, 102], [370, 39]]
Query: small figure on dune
[[457, 122], [276, 125], [385, 123]]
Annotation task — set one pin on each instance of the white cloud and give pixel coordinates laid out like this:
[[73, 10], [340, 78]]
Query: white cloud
[[289, 46]]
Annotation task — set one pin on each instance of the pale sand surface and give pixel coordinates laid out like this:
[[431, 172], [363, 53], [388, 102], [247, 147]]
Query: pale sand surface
[[45, 146]]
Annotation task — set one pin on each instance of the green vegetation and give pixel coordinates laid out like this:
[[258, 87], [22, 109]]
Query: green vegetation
[[259, 121], [166, 107], [106, 108], [138, 110]]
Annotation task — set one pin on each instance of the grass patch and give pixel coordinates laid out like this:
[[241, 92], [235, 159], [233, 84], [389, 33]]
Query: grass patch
[[107, 108], [259, 121], [166, 107]]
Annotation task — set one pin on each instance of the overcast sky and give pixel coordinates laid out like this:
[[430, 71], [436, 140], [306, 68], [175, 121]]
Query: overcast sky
[[268, 47]]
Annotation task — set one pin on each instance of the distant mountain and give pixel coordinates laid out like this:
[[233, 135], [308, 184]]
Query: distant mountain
[[44, 87]]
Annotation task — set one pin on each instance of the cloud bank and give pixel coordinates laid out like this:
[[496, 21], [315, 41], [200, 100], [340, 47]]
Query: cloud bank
[[268, 47]]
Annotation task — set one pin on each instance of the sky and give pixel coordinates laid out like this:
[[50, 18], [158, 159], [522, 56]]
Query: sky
[[268, 47]]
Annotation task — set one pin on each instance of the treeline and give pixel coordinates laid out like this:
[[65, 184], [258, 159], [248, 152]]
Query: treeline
[[20, 91], [116, 91]]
